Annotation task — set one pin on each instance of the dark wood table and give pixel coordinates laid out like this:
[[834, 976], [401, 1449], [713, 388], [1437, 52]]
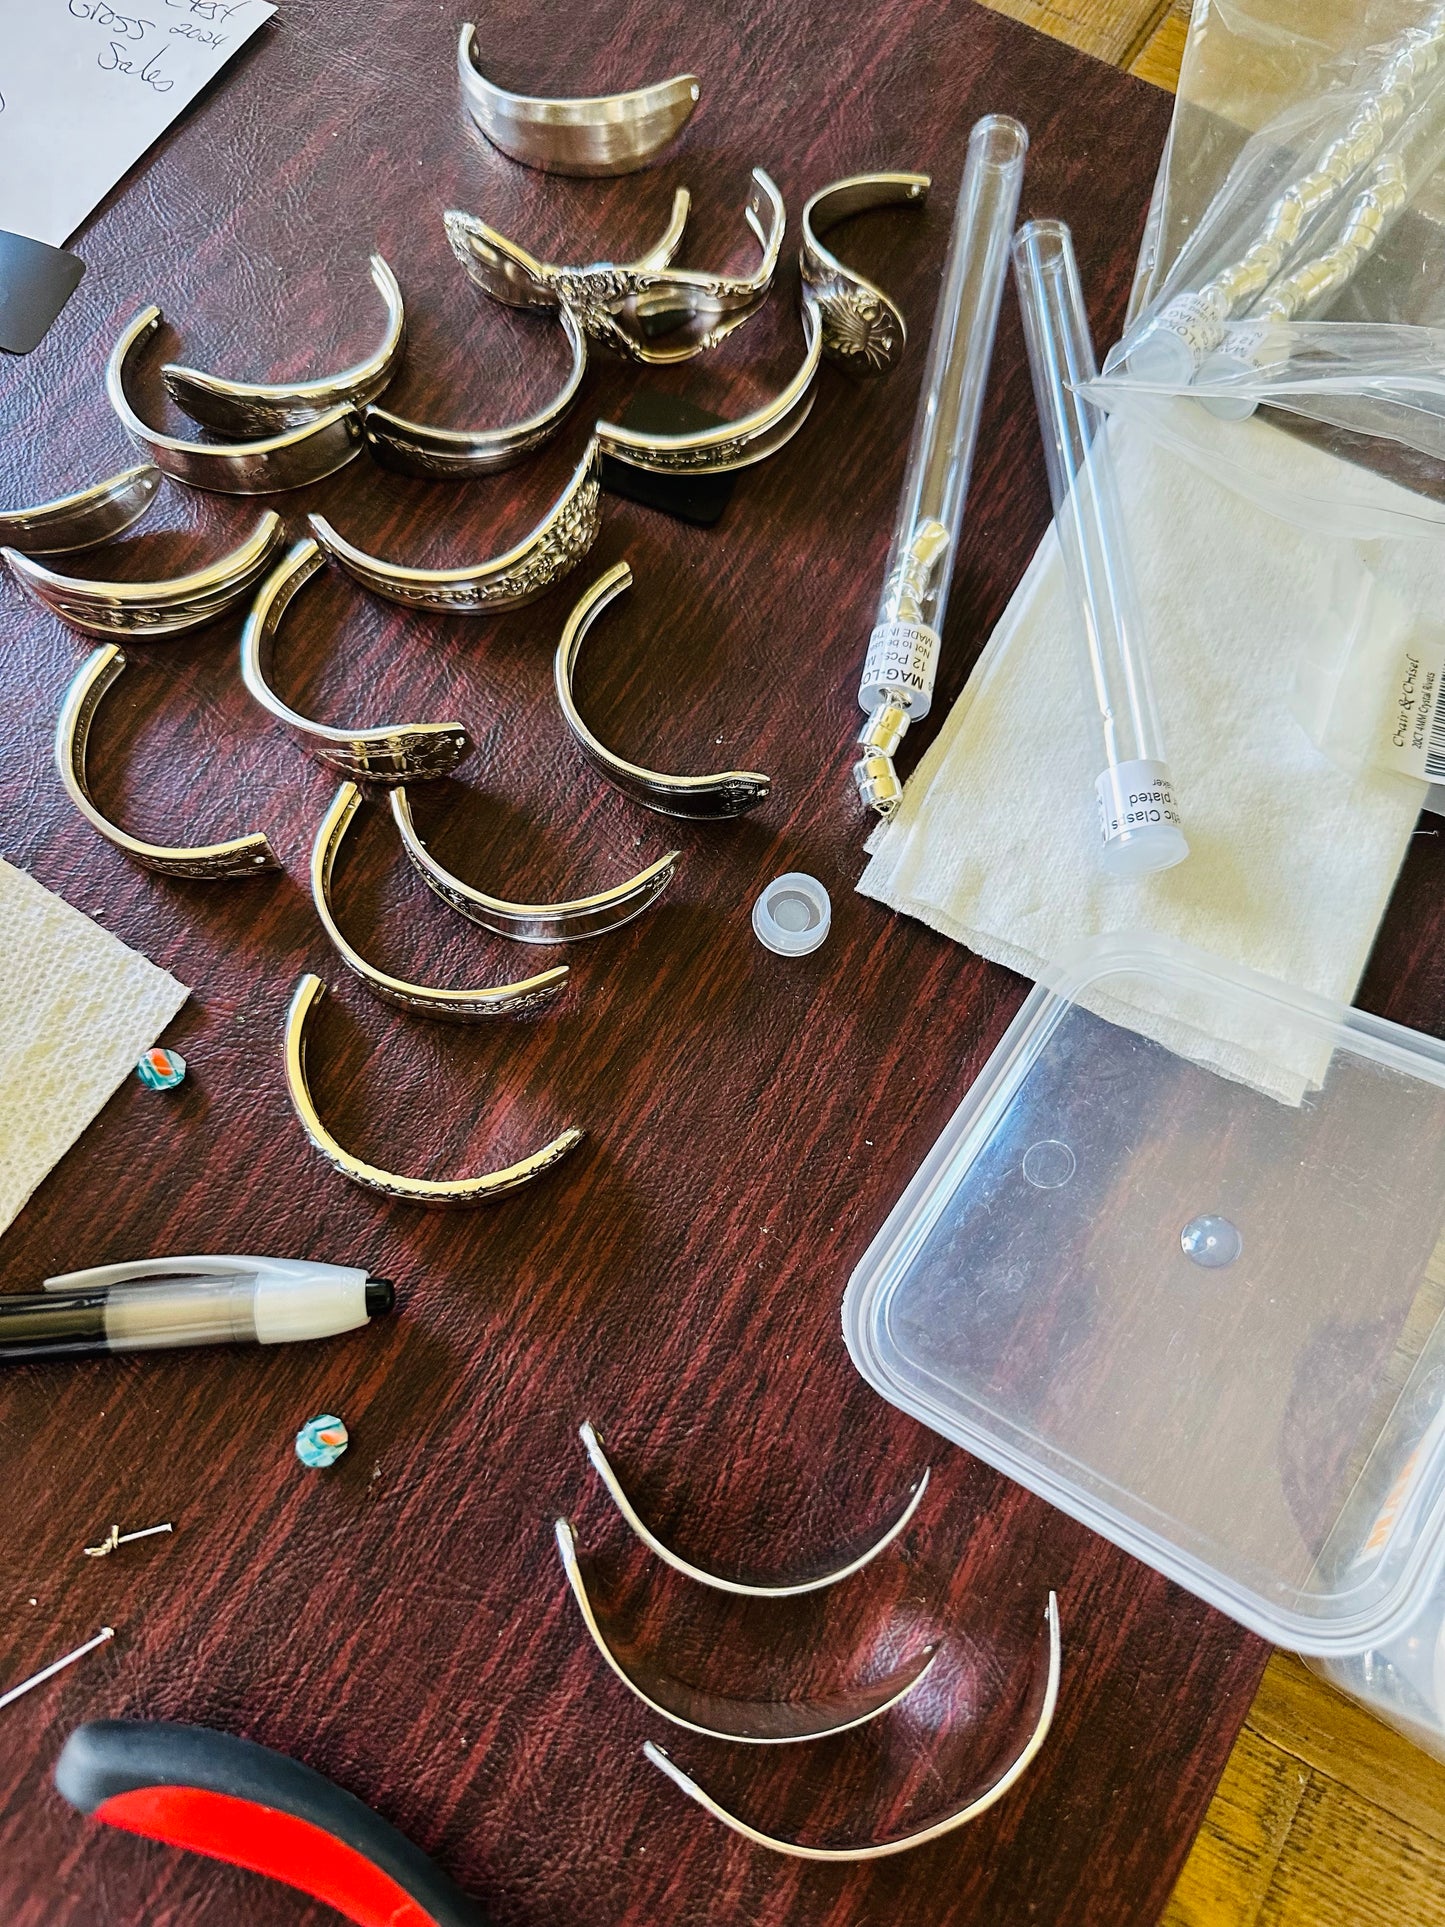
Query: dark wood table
[[401, 1623]]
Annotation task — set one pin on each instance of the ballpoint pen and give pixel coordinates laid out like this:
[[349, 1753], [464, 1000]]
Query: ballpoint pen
[[156, 1304]]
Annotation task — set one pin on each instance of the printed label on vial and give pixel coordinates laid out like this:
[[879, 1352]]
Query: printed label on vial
[[1261, 346], [1415, 719], [1132, 796], [901, 655], [1192, 319]]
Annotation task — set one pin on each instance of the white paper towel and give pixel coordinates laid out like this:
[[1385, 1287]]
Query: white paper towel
[[77, 1012], [1291, 860]]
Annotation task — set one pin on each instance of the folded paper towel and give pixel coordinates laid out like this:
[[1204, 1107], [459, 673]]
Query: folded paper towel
[[1291, 860], [77, 1011]]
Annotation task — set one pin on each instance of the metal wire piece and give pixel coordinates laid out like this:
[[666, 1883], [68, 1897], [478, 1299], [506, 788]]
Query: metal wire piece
[[600, 135], [863, 331], [115, 1539], [56, 1666], [557, 544], [414, 448], [151, 609], [389, 753], [243, 856], [729, 793], [587, 1432], [247, 408], [81, 520], [730, 445], [749, 1722], [480, 1189], [649, 313], [880, 1850], [291, 460], [456, 1006], [566, 922]]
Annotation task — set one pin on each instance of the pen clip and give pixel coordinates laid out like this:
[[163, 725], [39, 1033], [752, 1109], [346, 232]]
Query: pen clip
[[155, 1270]]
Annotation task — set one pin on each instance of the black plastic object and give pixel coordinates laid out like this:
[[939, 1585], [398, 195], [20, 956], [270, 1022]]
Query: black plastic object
[[235, 1801], [699, 499], [36, 281]]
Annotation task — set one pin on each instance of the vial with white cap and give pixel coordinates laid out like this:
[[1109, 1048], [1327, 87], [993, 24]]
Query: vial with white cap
[[1139, 825], [903, 649], [793, 915]]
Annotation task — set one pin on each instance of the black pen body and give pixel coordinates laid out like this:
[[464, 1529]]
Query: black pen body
[[49, 1324]]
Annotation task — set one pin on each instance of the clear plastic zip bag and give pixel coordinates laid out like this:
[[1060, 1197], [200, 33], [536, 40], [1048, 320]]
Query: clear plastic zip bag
[[1295, 250]]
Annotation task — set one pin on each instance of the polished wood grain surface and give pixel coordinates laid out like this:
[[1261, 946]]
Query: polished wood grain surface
[[401, 1623], [1324, 1818]]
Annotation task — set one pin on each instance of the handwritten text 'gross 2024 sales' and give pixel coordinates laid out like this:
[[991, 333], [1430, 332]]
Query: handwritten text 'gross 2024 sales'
[[134, 45]]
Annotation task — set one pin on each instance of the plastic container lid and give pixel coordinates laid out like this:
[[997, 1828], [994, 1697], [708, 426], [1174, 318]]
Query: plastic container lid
[[1204, 1321]]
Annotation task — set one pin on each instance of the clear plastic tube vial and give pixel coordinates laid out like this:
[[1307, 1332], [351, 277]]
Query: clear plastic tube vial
[[1138, 819], [902, 660]]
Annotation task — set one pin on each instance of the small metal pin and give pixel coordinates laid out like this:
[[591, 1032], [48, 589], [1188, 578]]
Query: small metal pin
[[49, 1672], [115, 1537]]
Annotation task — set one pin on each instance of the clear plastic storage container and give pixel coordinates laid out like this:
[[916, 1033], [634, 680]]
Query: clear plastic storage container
[[1203, 1320]]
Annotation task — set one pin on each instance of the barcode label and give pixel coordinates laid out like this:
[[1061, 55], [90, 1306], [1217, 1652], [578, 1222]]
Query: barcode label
[[1415, 717]]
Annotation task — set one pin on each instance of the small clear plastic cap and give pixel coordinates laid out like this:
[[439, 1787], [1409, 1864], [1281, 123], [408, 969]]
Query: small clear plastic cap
[[793, 915], [1161, 355], [1157, 846], [1229, 408]]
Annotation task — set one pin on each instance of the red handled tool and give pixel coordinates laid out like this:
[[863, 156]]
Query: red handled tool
[[226, 1797]]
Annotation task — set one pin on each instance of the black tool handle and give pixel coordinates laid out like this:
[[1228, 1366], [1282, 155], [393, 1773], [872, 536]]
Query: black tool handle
[[233, 1800]]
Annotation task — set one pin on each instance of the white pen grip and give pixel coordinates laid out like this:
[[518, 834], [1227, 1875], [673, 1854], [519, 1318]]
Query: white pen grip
[[288, 1309]]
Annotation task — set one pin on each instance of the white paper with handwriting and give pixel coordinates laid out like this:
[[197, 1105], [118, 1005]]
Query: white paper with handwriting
[[86, 86]]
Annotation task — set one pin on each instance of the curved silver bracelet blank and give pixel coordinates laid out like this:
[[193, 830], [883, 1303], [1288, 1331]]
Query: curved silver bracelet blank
[[669, 314], [509, 274], [587, 1432], [730, 445], [657, 315], [389, 753], [415, 448], [480, 1189], [863, 330], [745, 1722], [454, 1006], [707, 798], [242, 856], [151, 609], [881, 1849], [80, 521], [287, 461], [251, 408], [567, 922], [528, 569], [601, 135]]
